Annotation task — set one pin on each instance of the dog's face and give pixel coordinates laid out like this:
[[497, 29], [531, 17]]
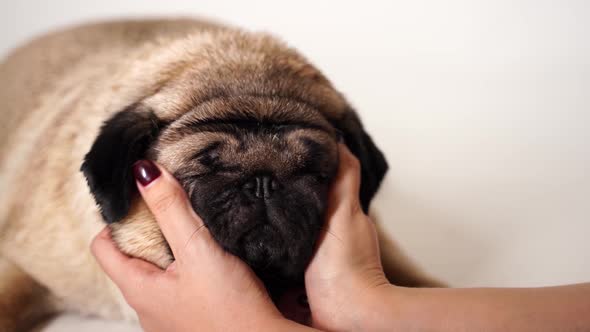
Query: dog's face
[[254, 145], [258, 176]]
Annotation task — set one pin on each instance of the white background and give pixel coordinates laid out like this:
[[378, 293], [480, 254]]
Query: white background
[[481, 107]]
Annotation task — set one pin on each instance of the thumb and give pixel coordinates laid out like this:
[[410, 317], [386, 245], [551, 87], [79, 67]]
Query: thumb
[[123, 270]]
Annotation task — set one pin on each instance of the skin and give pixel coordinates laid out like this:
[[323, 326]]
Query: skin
[[345, 283], [187, 296]]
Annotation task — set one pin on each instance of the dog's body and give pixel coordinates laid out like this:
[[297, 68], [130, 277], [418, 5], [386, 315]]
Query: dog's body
[[55, 94]]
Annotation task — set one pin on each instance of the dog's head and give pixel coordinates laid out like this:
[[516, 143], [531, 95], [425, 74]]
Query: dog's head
[[257, 166]]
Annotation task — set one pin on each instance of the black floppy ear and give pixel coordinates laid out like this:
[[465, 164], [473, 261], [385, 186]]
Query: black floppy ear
[[123, 139], [373, 164]]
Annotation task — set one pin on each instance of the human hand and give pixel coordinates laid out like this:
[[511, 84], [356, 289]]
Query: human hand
[[205, 288], [345, 270]]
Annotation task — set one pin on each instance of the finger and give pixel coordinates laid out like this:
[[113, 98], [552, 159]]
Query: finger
[[169, 204], [344, 193], [123, 270]]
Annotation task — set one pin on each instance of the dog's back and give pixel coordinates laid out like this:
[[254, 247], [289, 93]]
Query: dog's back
[[54, 94], [32, 70]]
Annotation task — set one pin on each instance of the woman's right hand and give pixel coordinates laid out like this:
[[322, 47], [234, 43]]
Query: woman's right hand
[[348, 291], [345, 271]]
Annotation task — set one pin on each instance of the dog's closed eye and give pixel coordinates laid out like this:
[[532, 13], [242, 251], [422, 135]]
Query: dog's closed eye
[[209, 155]]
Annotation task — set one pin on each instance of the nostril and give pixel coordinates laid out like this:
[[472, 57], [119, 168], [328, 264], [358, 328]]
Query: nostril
[[269, 185], [250, 187], [261, 186]]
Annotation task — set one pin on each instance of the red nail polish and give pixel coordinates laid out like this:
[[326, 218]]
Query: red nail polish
[[145, 172]]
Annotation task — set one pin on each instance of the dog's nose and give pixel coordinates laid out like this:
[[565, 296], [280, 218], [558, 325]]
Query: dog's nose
[[261, 186]]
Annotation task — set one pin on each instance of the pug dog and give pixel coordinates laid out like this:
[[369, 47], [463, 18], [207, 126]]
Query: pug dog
[[245, 123]]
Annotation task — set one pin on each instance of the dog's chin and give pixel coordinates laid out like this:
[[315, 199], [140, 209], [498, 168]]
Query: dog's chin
[[276, 258], [262, 245], [274, 235]]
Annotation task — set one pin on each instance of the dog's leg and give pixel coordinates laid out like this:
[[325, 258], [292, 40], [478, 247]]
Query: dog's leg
[[398, 267], [23, 302]]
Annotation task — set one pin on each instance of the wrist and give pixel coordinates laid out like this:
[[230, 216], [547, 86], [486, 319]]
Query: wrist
[[363, 299], [376, 307]]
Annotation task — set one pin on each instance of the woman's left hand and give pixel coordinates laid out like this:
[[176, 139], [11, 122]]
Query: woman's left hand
[[205, 288]]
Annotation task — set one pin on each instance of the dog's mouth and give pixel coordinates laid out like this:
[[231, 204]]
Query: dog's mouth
[[262, 246], [278, 255]]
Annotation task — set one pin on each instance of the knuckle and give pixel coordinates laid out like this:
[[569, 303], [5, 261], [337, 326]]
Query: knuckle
[[133, 301], [351, 165], [200, 241], [163, 202], [136, 294], [354, 164], [99, 248], [95, 246], [97, 242], [351, 177], [356, 209]]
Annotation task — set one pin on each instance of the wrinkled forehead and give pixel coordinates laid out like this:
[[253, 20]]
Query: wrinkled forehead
[[257, 132]]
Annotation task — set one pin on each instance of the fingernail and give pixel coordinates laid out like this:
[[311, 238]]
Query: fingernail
[[145, 172]]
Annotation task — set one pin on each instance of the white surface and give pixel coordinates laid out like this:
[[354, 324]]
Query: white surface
[[482, 109]]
